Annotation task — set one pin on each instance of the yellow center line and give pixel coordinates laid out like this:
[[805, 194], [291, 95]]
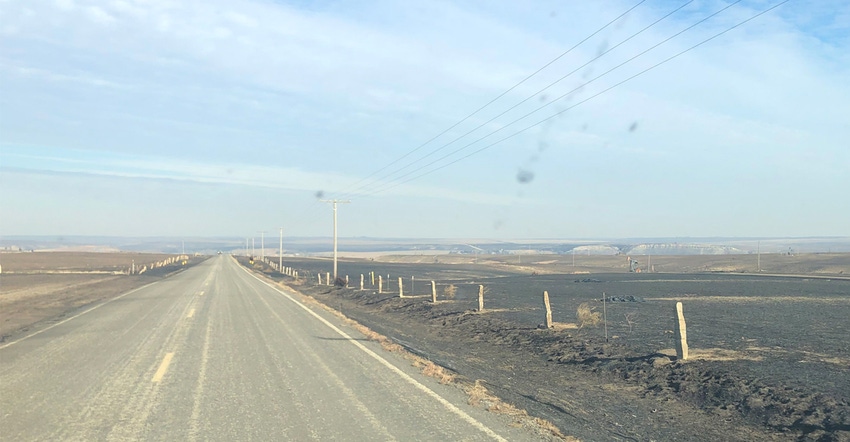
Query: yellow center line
[[163, 367], [191, 313]]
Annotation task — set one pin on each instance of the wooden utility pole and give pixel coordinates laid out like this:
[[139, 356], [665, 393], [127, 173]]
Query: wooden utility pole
[[280, 253], [262, 245], [335, 202]]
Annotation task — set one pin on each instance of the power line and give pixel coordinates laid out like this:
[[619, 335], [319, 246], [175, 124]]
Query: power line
[[600, 55], [314, 210], [397, 183], [578, 88], [501, 94]]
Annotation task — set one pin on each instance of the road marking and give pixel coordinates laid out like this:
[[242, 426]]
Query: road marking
[[163, 367], [194, 420], [76, 316], [421, 387], [191, 313]]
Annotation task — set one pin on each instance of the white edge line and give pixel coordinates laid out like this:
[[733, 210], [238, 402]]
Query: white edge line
[[451, 407], [76, 316]]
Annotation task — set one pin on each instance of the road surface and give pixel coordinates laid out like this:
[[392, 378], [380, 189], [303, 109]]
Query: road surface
[[214, 353]]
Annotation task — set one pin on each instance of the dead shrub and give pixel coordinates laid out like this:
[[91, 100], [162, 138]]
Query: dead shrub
[[631, 320], [586, 316], [477, 393], [433, 370], [450, 291], [340, 282]]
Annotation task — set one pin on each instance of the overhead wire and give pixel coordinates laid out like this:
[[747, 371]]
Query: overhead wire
[[467, 117], [397, 183], [529, 97], [576, 89], [507, 91]]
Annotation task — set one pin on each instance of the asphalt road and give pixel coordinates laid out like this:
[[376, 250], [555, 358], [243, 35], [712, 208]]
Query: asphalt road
[[214, 353]]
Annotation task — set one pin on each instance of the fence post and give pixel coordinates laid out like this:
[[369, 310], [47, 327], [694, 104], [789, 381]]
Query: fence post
[[433, 291], [605, 315], [380, 284], [412, 284], [327, 278], [346, 280], [361, 281], [548, 309], [480, 298], [400, 288], [681, 334], [372, 273], [320, 278]]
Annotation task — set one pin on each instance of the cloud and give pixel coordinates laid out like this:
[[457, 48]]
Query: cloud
[[99, 16], [250, 175], [324, 93]]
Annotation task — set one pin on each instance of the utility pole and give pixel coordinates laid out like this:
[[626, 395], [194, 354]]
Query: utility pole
[[246, 246], [183, 246], [253, 252], [758, 259], [335, 202], [262, 245], [280, 253]]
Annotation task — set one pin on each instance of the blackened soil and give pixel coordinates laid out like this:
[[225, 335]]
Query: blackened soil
[[597, 390], [593, 389]]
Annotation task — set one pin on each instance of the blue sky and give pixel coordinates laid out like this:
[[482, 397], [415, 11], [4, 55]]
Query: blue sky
[[224, 118]]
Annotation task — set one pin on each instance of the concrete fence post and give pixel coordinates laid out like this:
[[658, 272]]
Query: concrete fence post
[[480, 298], [400, 288], [361, 281], [327, 278], [548, 309], [373, 278], [681, 334], [320, 278], [380, 284], [346, 280], [433, 291]]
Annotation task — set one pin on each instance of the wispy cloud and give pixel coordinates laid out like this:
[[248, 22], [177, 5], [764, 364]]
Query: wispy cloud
[[315, 96], [251, 175]]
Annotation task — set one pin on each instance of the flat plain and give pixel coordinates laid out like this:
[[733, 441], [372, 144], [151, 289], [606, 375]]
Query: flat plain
[[769, 355], [45, 286], [769, 350]]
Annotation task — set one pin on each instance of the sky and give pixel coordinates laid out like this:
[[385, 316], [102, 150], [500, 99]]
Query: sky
[[472, 119]]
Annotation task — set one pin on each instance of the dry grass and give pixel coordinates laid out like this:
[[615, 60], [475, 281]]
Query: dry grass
[[435, 371], [479, 396], [560, 326], [450, 291], [586, 316]]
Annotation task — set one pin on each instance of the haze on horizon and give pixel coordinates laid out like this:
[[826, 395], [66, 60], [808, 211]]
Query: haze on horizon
[[156, 118]]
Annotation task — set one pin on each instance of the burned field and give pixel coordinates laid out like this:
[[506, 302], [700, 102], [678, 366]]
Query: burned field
[[769, 354]]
